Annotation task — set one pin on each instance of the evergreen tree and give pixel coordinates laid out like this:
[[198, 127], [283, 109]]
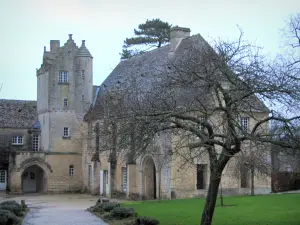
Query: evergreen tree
[[152, 34]]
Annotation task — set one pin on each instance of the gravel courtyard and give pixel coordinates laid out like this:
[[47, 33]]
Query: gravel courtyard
[[59, 209]]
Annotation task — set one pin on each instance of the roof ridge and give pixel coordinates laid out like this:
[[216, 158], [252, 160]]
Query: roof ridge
[[156, 49]]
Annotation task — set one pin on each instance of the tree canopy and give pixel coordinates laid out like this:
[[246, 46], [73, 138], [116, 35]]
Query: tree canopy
[[151, 34]]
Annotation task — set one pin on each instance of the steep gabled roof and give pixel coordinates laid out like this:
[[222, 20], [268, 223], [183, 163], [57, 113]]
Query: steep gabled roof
[[17, 113], [150, 69], [147, 70]]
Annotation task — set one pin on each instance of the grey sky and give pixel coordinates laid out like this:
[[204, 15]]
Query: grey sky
[[29, 25]]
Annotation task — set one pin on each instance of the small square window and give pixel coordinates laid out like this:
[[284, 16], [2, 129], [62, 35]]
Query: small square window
[[71, 170], [65, 102], [66, 131], [17, 140]]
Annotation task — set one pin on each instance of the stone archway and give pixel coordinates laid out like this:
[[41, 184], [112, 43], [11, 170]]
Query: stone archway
[[34, 175], [149, 178], [33, 180]]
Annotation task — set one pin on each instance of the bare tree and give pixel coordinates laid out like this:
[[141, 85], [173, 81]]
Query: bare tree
[[210, 98]]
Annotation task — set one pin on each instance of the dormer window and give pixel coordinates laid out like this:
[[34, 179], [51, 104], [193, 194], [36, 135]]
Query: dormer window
[[17, 140], [63, 77]]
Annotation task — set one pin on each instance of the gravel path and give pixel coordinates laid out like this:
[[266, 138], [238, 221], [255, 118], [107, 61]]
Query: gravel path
[[60, 210]]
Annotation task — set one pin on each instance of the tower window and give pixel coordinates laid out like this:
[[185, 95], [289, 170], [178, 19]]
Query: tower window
[[82, 73], [63, 77], [82, 97], [66, 132], [35, 142], [65, 102], [71, 170]]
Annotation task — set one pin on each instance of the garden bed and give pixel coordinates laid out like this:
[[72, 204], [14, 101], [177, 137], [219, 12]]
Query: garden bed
[[114, 213]]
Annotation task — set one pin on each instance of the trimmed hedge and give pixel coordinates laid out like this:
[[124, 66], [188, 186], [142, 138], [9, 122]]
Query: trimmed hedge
[[109, 206], [122, 213], [104, 207], [12, 206], [17, 210], [10, 202], [146, 221], [8, 218]]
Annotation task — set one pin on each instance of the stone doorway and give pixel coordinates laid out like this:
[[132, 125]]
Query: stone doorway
[[149, 178], [33, 180]]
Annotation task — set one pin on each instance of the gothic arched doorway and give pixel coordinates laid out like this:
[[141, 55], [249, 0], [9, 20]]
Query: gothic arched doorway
[[149, 178], [33, 179]]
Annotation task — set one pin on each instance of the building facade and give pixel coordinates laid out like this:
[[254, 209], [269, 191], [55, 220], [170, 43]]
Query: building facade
[[42, 140], [53, 144], [157, 173]]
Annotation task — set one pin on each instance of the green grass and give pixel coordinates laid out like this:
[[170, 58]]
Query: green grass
[[282, 209]]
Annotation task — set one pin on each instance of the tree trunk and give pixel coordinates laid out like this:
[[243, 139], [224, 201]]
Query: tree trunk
[[211, 198], [252, 180]]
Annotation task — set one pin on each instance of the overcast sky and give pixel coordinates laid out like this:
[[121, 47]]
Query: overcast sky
[[29, 25]]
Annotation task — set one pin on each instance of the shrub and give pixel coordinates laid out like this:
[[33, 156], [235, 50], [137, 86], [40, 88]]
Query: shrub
[[8, 218], [24, 206], [109, 206], [101, 200], [11, 202], [107, 216], [96, 208], [122, 213], [16, 209], [146, 221]]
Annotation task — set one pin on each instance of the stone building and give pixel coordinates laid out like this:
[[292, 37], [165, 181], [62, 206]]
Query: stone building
[[41, 141], [53, 144], [156, 174]]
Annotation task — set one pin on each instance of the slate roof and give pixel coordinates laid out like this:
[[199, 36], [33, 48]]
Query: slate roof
[[17, 113], [149, 70]]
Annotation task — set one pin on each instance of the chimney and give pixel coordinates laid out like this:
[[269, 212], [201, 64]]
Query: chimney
[[177, 34], [54, 45]]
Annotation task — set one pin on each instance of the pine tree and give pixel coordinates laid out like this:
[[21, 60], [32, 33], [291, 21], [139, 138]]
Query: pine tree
[[152, 34]]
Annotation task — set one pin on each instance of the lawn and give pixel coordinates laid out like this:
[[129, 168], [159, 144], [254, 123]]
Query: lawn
[[277, 209]]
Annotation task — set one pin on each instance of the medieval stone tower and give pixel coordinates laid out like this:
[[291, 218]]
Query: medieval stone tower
[[64, 94]]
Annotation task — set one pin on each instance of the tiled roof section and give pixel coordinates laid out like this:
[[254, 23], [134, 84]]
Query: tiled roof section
[[17, 113], [148, 70], [151, 69]]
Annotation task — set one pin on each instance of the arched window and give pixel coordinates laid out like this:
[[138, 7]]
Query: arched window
[[71, 170]]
